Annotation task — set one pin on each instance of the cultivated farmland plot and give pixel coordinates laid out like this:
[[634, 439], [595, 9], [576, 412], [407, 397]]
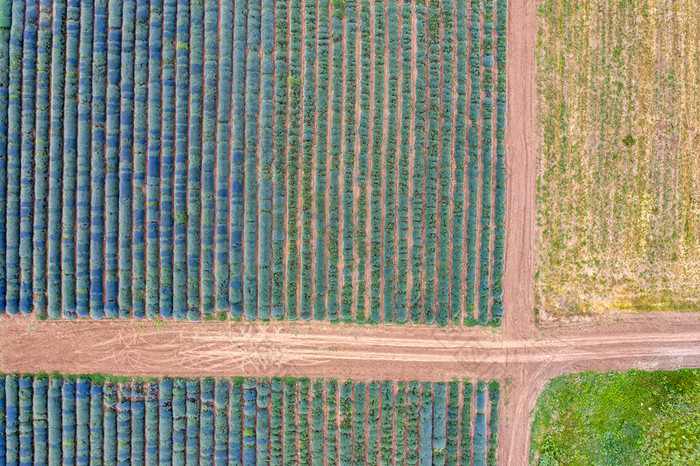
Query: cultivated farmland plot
[[618, 173], [333, 160], [49, 420]]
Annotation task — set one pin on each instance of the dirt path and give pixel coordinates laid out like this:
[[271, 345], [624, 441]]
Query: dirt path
[[132, 347], [521, 159]]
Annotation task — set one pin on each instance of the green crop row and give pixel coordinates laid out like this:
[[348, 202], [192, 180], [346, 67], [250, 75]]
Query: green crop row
[[389, 241], [349, 156], [363, 137], [279, 167], [473, 152], [5, 33], [70, 133], [267, 88], [376, 220], [194, 160], [250, 216], [460, 150], [139, 164], [125, 168], [165, 301], [403, 164], [41, 161], [321, 155], [155, 33], [334, 154], [418, 196], [486, 165], [445, 198], [432, 168], [19, 156], [224, 194], [307, 156], [236, 175], [500, 196], [293, 153], [180, 168]]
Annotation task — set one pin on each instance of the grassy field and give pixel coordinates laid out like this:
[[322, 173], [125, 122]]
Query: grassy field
[[634, 417], [618, 176]]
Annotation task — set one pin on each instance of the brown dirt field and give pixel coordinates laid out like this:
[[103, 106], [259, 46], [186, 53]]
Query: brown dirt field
[[619, 106]]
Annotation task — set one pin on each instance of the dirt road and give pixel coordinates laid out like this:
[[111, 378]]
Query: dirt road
[[521, 161]]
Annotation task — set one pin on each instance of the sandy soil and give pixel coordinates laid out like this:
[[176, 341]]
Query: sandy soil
[[521, 159]]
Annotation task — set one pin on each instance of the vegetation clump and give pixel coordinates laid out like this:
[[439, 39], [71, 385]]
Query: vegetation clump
[[633, 417]]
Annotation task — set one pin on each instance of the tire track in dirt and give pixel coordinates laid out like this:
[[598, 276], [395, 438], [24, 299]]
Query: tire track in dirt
[[55, 344]]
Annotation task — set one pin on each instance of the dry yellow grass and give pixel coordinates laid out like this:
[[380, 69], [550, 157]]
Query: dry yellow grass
[[619, 167]]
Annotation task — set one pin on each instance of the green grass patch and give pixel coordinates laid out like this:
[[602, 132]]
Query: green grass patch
[[618, 418]]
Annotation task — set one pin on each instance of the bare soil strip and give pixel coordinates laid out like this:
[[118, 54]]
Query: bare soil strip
[[521, 160]]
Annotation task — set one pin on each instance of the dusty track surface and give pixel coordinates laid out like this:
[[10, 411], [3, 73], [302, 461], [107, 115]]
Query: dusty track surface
[[521, 161], [520, 354]]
